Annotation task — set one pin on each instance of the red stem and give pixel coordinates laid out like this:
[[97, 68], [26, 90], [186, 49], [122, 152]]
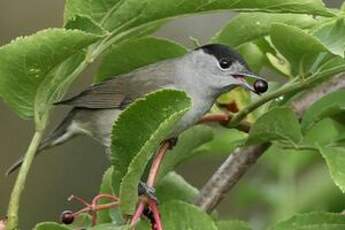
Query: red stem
[[156, 216], [81, 200], [103, 195]]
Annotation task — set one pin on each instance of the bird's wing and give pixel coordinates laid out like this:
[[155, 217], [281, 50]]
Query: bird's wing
[[108, 94], [122, 90]]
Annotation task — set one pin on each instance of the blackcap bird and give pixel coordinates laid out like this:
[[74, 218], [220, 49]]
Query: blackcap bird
[[203, 73]]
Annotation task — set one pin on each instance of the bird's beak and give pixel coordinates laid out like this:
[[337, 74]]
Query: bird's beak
[[242, 76]]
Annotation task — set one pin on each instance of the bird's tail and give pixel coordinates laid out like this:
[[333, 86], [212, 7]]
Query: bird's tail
[[58, 136]]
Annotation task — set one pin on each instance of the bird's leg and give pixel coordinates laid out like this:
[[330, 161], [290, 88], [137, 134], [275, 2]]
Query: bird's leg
[[92, 208], [152, 202]]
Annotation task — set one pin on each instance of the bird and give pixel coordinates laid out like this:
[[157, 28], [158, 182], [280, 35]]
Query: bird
[[203, 73]]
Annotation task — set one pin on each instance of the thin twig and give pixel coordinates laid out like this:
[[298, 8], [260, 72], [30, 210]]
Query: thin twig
[[13, 207], [237, 164]]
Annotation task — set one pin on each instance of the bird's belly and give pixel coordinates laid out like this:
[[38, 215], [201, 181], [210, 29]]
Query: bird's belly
[[99, 124]]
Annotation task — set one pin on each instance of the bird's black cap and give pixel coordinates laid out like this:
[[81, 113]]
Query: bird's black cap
[[220, 52]]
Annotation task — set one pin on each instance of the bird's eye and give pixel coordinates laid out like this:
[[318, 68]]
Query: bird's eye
[[225, 63]]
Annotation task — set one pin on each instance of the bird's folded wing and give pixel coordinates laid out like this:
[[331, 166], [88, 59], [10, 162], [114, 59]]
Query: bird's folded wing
[[109, 94]]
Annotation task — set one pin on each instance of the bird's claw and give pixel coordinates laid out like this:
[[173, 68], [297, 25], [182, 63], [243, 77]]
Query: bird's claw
[[145, 190]]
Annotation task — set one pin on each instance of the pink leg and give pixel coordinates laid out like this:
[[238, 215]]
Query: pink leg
[[165, 146], [156, 215]]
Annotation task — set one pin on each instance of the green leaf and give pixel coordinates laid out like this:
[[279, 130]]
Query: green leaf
[[174, 187], [83, 221], [108, 215], [253, 56], [288, 39], [335, 159], [56, 83], [86, 24], [233, 225], [109, 227], [26, 62], [152, 118], [247, 27], [224, 142], [313, 221], [316, 135], [280, 123], [331, 35], [188, 141], [316, 7], [177, 215], [327, 106], [123, 15], [132, 54], [51, 226]]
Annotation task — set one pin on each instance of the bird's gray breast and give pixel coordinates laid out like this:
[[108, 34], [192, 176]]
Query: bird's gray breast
[[97, 123], [200, 106]]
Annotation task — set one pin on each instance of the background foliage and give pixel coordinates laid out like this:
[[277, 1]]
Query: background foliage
[[37, 70]]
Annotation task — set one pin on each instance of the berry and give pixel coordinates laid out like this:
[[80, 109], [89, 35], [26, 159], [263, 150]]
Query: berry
[[67, 217], [260, 86]]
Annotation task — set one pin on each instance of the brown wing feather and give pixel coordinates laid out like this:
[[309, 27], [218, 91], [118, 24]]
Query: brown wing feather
[[124, 89], [109, 94]]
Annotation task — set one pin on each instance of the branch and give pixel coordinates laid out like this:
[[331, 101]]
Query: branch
[[228, 174], [301, 104], [237, 164], [18, 188]]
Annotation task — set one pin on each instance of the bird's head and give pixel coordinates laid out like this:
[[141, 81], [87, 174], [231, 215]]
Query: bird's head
[[225, 69]]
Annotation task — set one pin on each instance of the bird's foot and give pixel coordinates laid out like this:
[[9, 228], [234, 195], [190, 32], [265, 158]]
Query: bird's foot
[[151, 202], [171, 142], [67, 217], [145, 190]]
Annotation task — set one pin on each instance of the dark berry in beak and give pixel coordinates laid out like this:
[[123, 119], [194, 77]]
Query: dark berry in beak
[[260, 86], [67, 217]]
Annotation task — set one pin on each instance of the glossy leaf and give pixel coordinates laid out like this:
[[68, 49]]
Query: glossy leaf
[[233, 225], [108, 215], [152, 119], [288, 39], [247, 27], [115, 14], [224, 142], [136, 53], [332, 36], [26, 62], [329, 105], [278, 124], [313, 221], [109, 227], [189, 141], [174, 187], [86, 24], [51, 226], [253, 55], [335, 159], [177, 215], [56, 83], [316, 135]]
